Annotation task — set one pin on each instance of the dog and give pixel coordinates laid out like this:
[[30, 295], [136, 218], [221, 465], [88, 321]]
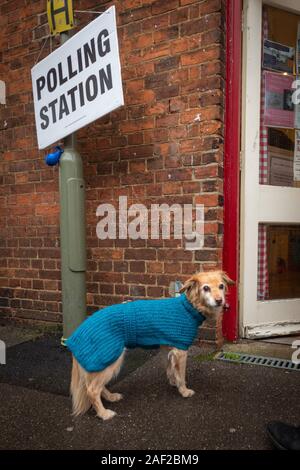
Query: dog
[[99, 343]]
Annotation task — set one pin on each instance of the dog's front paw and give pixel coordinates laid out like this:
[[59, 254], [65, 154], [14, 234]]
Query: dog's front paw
[[108, 414], [187, 392]]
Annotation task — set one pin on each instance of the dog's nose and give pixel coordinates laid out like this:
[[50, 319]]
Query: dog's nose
[[219, 301]]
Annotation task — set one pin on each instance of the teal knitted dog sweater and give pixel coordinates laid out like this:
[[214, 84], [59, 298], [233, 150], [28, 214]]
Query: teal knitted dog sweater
[[101, 338]]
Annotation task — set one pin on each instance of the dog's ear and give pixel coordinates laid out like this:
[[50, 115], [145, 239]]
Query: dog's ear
[[191, 283], [227, 280], [187, 286]]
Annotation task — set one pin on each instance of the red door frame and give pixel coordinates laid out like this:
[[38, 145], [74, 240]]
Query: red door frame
[[232, 161]]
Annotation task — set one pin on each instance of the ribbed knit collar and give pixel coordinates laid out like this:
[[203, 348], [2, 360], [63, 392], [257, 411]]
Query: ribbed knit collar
[[190, 308]]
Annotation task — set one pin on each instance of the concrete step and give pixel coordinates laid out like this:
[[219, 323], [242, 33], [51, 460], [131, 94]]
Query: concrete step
[[260, 348]]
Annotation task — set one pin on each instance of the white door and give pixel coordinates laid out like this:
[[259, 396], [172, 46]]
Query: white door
[[270, 192]]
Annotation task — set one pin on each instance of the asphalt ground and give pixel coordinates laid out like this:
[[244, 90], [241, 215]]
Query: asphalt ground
[[230, 410]]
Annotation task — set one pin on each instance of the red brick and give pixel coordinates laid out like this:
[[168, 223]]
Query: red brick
[[166, 34], [137, 291], [135, 14], [206, 171], [209, 200], [179, 15], [172, 188], [209, 6], [121, 289], [201, 25], [140, 278], [155, 22], [198, 57], [156, 52], [167, 92], [136, 125], [138, 96], [140, 254], [176, 255], [154, 267], [174, 175], [161, 6], [186, 2], [154, 292]]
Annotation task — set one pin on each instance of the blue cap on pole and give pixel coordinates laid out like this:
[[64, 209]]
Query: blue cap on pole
[[53, 158]]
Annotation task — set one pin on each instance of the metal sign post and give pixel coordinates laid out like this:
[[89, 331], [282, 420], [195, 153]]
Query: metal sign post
[[72, 237], [72, 233]]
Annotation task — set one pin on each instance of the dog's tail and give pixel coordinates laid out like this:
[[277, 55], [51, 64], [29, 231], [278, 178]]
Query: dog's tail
[[80, 400]]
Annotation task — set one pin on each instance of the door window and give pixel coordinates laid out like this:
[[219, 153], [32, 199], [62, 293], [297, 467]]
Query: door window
[[280, 116], [279, 165], [279, 262]]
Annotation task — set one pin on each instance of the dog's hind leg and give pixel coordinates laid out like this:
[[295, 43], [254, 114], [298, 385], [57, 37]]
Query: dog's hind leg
[[94, 391], [111, 396], [78, 390], [97, 382]]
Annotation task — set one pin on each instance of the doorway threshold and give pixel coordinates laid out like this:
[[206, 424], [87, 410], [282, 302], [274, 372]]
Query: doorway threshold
[[261, 348], [287, 340]]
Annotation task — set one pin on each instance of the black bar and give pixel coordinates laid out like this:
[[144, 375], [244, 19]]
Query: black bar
[[59, 10]]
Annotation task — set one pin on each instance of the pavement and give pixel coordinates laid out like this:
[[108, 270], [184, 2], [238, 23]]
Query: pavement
[[230, 410]]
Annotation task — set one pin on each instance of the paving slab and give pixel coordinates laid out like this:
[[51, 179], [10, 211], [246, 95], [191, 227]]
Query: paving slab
[[12, 334]]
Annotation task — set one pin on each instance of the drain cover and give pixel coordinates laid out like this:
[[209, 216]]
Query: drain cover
[[258, 360]]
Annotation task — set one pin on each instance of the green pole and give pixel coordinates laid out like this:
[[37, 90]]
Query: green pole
[[72, 234]]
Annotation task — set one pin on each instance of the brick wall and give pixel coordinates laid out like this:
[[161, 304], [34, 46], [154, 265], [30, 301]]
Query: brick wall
[[165, 145]]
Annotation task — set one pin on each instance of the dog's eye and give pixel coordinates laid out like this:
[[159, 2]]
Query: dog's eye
[[221, 286], [206, 288]]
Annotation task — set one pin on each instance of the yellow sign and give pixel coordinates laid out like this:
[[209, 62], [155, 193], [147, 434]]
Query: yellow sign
[[60, 16]]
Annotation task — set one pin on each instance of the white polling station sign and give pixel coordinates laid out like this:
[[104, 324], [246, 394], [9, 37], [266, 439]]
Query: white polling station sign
[[79, 82]]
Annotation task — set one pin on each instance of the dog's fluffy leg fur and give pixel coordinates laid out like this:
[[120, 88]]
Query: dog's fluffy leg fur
[[87, 388], [80, 400], [170, 369], [97, 382], [94, 391], [176, 371]]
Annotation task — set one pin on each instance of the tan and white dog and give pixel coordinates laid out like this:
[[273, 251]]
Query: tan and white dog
[[206, 292]]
